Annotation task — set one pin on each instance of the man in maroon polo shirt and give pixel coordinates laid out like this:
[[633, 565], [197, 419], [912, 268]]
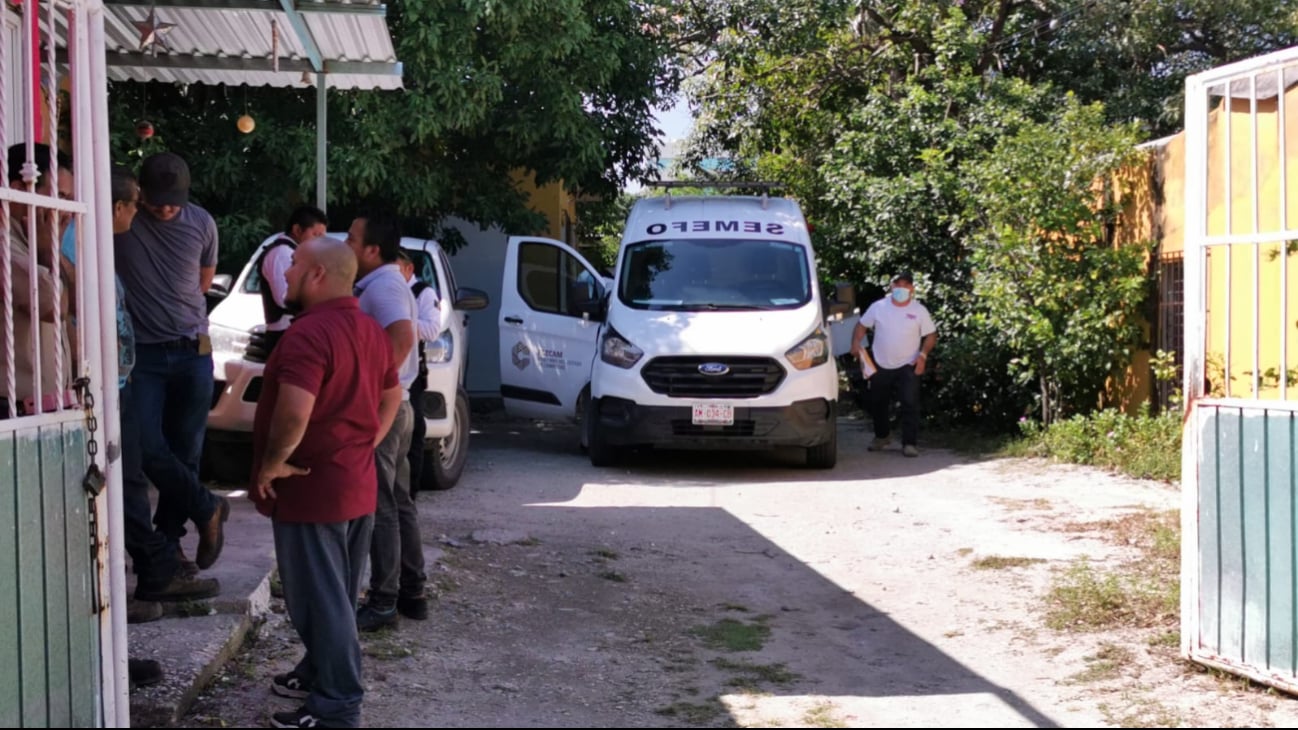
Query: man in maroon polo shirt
[[329, 396]]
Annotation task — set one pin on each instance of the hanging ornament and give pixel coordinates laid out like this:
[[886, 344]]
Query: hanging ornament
[[152, 32], [246, 124], [274, 45], [144, 129]]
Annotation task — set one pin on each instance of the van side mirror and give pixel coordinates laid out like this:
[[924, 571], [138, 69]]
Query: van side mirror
[[220, 287], [468, 300]]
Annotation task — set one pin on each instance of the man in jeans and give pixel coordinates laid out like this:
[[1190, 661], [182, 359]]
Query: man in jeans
[[166, 262], [331, 393], [904, 335], [397, 553]]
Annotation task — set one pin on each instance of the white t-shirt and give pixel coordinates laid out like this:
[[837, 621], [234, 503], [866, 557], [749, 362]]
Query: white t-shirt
[[273, 269], [898, 331]]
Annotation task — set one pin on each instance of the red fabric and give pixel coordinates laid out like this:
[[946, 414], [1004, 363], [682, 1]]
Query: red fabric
[[342, 356]]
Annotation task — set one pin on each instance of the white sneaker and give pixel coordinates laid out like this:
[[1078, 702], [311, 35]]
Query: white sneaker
[[910, 450]]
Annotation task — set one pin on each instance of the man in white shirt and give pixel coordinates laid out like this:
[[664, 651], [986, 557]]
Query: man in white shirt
[[304, 223], [904, 335], [428, 328]]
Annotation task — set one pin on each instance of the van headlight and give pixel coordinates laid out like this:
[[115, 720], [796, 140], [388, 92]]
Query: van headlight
[[616, 350], [228, 340], [810, 352], [440, 350]]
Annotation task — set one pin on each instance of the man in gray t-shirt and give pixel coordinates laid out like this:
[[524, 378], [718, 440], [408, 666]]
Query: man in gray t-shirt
[[166, 262], [396, 552]]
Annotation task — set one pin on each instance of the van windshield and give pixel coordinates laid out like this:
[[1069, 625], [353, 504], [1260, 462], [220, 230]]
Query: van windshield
[[714, 274]]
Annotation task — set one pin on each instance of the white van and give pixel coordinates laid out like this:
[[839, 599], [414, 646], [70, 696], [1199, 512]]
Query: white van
[[710, 335], [234, 322]]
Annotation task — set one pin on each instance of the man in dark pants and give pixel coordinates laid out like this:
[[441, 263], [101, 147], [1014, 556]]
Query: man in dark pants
[[330, 395], [904, 335], [428, 328], [166, 262]]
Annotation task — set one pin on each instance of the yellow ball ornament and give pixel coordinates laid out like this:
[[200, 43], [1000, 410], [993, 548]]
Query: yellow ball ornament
[[246, 124]]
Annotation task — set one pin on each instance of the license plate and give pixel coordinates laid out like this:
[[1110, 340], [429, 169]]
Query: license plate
[[714, 414]]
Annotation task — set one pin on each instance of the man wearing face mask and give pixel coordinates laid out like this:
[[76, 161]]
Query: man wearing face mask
[[904, 335]]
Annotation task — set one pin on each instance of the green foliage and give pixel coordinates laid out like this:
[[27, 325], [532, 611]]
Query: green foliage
[[1048, 279], [485, 95], [1142, 446]]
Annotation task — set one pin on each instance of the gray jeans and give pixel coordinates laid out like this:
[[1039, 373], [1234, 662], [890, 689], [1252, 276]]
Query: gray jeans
[[397, 550], [320, 568]]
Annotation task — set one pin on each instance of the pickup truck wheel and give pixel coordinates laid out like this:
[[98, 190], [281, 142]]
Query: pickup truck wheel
[[444, 462]]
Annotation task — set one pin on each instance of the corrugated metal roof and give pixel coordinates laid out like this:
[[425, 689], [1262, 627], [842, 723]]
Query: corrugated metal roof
[[229, 42]]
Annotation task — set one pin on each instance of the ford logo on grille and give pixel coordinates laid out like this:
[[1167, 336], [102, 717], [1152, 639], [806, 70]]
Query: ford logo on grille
[[714, 368]]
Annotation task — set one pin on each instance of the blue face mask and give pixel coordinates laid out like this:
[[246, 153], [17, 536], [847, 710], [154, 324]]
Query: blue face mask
[[900, 295]]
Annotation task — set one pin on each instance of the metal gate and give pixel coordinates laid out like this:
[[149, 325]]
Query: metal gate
[[1239, 588], [61, 653]]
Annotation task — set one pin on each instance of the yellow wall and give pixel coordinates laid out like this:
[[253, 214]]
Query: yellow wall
[[1251, 305], [554, 202]]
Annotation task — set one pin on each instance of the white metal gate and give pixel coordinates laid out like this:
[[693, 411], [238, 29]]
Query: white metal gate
[[1239, 589], [62, 640]]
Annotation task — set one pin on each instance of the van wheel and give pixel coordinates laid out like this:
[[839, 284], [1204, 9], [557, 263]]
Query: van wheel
[[602, 453], [444, 463], [824, 456]]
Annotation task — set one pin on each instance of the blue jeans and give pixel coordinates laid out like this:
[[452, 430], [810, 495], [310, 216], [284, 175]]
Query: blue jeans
[[172, 387], [152, 554]]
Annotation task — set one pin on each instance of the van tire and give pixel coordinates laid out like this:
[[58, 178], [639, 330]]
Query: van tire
[[601, 452], [824, 456], [444, 462]]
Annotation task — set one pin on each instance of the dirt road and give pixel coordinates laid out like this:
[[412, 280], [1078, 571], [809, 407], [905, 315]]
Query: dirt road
[[734, 590]]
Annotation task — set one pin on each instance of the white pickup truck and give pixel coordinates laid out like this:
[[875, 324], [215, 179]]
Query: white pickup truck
[[238, 318]]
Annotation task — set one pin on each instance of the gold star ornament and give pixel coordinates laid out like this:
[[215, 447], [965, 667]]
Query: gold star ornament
[[152, 32]]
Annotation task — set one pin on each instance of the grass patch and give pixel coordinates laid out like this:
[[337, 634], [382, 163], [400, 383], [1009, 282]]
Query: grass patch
[[190, 609], [1085, 599], [822, 715], [968, 441], [1022, 504], [1140, 712], [1105, 664], [1001, 562], [694, 713], [613, 575], [964, 552], [736, 607], [1142, 446], [749, 674], [1166, 640], [605, 553], [385, 647], [731, 635]]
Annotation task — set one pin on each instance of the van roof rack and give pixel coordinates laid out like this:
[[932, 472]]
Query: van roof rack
[[669, 185]]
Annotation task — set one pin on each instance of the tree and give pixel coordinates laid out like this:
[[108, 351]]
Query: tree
[[876, 112], [485, 95]]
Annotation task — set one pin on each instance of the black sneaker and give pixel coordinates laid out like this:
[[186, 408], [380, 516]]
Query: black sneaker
[[413, 608], [143, 672], [289, 685], [371, 618], [297, 718]]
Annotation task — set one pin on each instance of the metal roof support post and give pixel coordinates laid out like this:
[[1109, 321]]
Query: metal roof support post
[[321, 141]]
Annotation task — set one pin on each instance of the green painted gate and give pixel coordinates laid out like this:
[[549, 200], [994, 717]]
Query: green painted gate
[[1239, 587], [49, 627]]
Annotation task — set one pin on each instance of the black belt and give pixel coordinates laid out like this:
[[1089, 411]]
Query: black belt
[[182, 343]]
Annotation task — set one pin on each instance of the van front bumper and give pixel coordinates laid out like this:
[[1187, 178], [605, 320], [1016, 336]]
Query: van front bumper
[[805, 423]]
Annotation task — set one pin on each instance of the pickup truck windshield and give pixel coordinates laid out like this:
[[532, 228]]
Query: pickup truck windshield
[[711, 275]]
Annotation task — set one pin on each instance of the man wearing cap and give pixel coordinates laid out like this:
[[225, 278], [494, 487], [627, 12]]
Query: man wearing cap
[[166, 262], [904, 335]]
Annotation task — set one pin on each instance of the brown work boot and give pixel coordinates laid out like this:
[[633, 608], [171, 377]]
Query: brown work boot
[[142, 612], [180, 588], [187, 567], [211, 537]]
